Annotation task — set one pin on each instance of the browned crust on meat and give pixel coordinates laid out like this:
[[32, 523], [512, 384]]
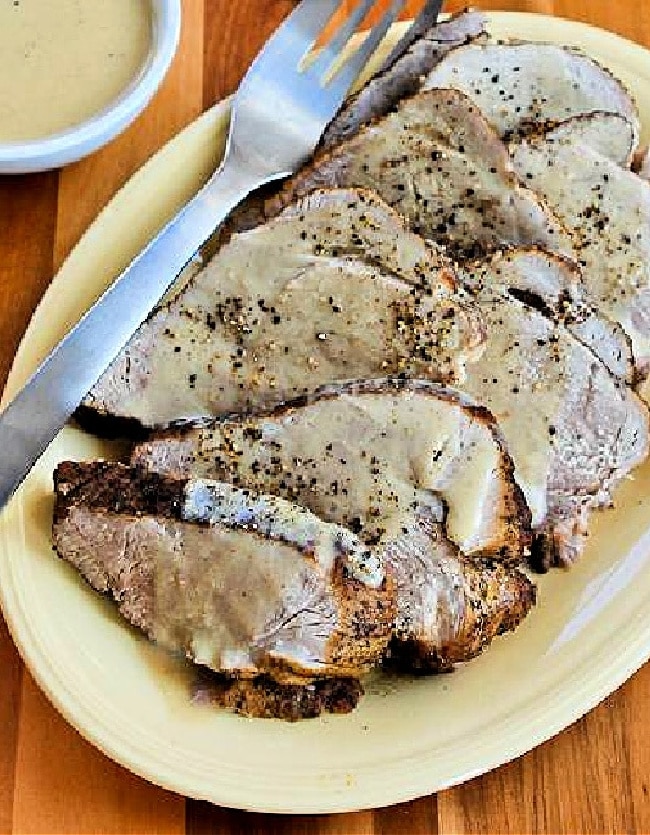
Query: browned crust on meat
[[519, 521], [641, 158], [263, 698], [101, 485], [497, 600], [365, 638], [412, 656], [543, 553], [366, 619]]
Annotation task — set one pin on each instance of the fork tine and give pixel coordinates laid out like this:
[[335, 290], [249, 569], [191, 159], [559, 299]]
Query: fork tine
[[427, 18], [340, 38], [348, 74], [296, 35]]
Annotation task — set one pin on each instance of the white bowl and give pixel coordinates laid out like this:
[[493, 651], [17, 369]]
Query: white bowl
[[74, 143]]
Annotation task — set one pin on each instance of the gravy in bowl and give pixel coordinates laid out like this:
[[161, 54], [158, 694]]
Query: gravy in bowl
[[63, 61]]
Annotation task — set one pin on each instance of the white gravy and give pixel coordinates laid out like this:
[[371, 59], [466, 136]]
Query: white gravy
[[62, 61]]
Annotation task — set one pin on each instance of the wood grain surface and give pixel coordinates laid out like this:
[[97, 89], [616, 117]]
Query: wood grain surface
[[593, 778]]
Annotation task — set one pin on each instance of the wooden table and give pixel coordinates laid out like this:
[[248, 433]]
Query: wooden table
[[595, 777]]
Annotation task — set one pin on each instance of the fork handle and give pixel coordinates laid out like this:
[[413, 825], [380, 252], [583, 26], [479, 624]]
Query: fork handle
[[40, 410]]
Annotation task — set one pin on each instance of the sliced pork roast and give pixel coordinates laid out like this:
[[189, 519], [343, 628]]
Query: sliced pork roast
[[255, 587], [573, 428], [335, 288], [364, 455], [438, 162], [415, 439], [522, 86], [240, 583], [403, 72], [608, 210]]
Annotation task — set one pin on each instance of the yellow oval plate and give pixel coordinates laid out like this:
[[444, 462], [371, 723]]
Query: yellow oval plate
[[589, 633]]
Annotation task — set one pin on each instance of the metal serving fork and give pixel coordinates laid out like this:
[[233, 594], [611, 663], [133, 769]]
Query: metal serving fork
[[278, 116]]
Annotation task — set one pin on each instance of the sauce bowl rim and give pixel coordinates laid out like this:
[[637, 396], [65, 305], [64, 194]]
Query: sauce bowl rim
[[70, 145]]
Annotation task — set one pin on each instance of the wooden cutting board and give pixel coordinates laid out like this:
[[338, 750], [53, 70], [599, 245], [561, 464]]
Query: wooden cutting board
[[592, 778]]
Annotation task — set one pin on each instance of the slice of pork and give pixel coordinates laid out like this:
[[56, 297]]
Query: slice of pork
[[574, 429], [608, 210], [522, 86], [243, 584], [336, 288], [555, 287], [363, 455], [441, 166], [449, 609], [609, 134], [402, 73]]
